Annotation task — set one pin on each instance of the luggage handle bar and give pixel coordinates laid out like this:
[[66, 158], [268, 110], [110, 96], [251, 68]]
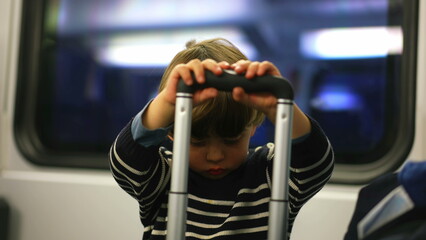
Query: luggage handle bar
[[178, 196], [278, 86]]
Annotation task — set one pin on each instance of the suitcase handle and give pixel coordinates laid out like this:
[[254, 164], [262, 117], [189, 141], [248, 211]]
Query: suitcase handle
[[278, 86], [178, 195]]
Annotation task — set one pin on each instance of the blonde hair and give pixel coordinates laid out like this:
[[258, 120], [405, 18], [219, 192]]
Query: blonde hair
[[221, 116]]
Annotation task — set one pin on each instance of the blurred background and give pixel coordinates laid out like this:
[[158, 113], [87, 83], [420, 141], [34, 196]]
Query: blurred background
[[102, 60]]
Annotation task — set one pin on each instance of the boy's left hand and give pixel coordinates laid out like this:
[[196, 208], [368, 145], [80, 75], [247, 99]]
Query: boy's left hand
[[264, 102], [267, 102]]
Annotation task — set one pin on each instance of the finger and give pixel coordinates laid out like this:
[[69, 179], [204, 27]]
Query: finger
[[197, 68], [204, 94], [261, 101], [252, 70], [213, 66], [239, 95], [240, 66], [224, 65], [181, 71], [267, 67]]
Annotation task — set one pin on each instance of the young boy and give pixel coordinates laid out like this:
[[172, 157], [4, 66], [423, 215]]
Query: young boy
[[228, 183]]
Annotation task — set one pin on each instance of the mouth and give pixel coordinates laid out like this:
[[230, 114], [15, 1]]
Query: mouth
[[216, 171]]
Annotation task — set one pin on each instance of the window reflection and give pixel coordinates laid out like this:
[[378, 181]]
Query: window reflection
[[105, 58]]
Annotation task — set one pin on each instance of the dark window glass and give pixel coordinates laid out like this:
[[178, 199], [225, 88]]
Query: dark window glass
[[87, 67]]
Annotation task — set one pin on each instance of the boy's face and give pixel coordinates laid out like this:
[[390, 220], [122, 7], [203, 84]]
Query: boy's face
[[215, 157]]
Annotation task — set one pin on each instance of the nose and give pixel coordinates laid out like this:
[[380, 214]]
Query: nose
[[215, 152]]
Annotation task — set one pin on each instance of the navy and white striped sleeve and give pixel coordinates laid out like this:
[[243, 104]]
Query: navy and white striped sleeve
[[140, 170]]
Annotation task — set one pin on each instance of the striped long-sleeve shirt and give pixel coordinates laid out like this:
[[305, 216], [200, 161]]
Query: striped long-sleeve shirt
[[234, 207]]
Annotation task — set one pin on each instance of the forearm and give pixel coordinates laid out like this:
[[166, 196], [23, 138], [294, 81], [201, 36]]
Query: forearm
[[159, 114], [301, 123], [144, 136]]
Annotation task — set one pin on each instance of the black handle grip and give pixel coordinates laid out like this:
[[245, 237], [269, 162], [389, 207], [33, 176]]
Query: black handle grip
[[278, 86]]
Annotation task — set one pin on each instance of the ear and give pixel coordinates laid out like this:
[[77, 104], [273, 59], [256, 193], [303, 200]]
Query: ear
[[253, 130]]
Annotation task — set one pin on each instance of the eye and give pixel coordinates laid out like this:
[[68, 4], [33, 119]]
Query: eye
[[198, 142], [231, 141]]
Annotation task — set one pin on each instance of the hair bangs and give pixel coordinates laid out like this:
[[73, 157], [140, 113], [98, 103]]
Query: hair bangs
[[222, 117]]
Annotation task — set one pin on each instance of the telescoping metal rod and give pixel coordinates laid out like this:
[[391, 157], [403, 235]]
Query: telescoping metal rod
[[178, 195], [279, 205]]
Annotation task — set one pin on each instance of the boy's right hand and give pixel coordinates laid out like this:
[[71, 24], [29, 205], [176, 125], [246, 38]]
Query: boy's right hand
[[183, 71], [160, 112]]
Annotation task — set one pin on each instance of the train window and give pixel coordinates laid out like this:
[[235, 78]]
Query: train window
[[87, 66]]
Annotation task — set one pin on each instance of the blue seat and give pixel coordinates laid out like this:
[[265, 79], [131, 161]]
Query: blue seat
[[392, 207]]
